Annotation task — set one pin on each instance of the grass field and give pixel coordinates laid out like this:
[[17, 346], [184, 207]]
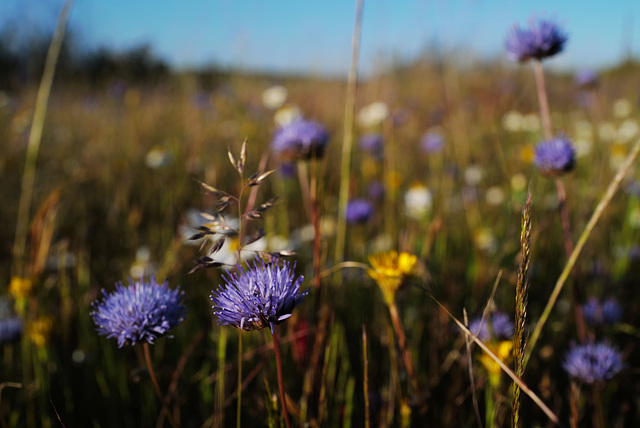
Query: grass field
[[118, 192]]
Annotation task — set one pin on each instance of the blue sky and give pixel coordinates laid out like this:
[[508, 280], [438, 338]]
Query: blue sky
[[315, 36]]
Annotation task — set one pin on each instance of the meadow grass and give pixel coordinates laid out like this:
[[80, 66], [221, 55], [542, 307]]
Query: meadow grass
[[116, 195]]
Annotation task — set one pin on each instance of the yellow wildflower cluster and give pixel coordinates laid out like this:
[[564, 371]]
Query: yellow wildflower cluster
[[38, 331], [390, 271], [502, 350], [19, 288]]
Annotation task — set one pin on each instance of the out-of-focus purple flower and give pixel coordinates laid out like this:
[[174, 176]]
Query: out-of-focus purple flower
[[586, 79], [593, 362], [140, 312], [359, 211], [497, 326], [432, 142], [301, 139], [257, 297], [555, 157], [375, 190], [117, 89], [606, 312], [372, 144], [288, 170], [201, 100], [543, 38], [10, 329]]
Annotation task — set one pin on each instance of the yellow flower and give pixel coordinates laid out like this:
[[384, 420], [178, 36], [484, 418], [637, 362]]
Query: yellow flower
[[390, 270], [38, 331], [503, 351], [19, 288]]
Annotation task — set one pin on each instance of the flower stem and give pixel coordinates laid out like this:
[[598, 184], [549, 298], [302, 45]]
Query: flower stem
[[239, 408], [156, 386], [543, 101], [365, 383], [283, 399], [562, 199], [402, 342], [315, 220], [347, 137]]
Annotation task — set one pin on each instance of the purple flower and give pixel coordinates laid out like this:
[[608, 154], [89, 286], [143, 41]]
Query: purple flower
[[372, 144], [543, 38], [555, 157], [375, 190], [497, 326], [606, 312], [263, 294], [140, 312], [10, 329], [359, 211], [593, 362], [586, 79], [301, 139], [432, 142]]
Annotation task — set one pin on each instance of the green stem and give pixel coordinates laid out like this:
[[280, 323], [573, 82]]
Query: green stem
[[347, 137], [35, 136]]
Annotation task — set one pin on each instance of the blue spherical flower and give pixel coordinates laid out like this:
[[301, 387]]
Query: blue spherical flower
[[432, 142], [372, 144], [543, 38], [140, 312], [602, 313], [301, 139], [375, 190], [10, 329], [501, 327], [555, 157], [586, 79], [359, 211], [264, 294], [593, 362]]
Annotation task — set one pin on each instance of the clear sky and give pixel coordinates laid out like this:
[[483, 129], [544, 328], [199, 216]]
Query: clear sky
[[315, 36]]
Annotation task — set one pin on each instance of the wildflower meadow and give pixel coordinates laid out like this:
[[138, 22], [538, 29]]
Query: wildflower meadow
[[436, 244]]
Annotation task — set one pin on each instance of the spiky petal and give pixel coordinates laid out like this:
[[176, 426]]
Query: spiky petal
[[139, 312], [260, 295]]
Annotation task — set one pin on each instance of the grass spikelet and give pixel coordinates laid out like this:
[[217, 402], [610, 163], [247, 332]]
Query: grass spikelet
[[522, 290]]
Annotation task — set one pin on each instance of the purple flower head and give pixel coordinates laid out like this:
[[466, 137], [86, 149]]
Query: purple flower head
[[301, 139], [372, 144], [555, 157], [543, 38], [501, 327], [375, 190], [586, 79], [288, 170], [359, 211], [607, 312], [140, 312], [261, 295], [593, 362], [432, 142], [10, 329]]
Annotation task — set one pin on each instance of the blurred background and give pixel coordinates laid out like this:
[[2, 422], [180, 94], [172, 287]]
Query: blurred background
[[147, 98]]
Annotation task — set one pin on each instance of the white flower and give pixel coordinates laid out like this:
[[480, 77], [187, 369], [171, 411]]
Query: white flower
[[627, 130], [607, 132], [473, 175], [512, 121], [158, 157], [531, 122], [622, 108], [518, 182], [373, 114], [494, 196], [418, 201], [274, 97], [287, 114]]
